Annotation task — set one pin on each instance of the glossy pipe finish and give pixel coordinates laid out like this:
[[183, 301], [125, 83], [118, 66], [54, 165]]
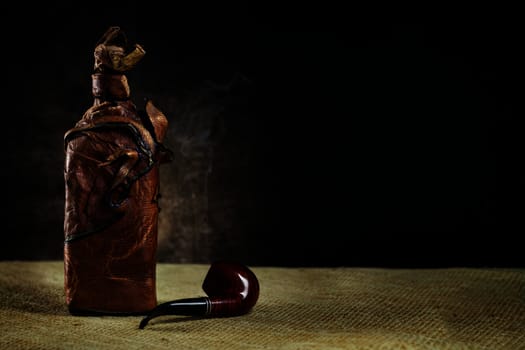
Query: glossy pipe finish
[[232, 289]]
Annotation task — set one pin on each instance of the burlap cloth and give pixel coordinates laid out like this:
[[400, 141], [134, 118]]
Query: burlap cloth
[[298, 308]]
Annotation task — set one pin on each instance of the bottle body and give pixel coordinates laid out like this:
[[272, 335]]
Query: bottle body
[[111, 175]]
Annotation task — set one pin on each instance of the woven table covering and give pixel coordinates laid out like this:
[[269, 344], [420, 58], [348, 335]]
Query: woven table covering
[[298, 308]]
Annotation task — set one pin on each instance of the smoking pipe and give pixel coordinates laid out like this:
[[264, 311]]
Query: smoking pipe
[[232, 289]]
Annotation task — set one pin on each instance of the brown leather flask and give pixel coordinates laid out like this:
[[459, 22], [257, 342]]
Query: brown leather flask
[[111, 173]]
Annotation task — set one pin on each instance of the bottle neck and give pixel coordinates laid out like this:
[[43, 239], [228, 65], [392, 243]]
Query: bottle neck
[[109, 87]]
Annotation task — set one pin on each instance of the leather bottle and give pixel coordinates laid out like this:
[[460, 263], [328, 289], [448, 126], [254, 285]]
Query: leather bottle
[[111, 173]]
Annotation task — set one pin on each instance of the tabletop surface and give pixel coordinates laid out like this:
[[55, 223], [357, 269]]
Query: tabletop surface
[[298, 308]]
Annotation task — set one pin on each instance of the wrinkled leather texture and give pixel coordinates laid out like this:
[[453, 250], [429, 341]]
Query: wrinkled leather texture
[[111, 174], [111, 55]]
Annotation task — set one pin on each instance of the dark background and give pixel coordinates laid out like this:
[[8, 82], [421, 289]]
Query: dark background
[[302, 136]]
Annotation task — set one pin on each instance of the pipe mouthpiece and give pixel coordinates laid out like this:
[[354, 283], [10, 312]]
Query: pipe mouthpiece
[[144, 322]]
